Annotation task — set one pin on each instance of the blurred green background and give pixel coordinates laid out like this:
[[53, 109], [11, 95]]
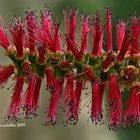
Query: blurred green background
[[34, 129]]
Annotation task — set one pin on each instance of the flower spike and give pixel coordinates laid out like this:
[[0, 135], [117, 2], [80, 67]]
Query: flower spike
[[38, 50]]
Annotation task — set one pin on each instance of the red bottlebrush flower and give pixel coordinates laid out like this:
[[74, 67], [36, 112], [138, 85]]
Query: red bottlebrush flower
[[85, 28], [109, 30], [67, 71], [115, 102], [54, 100], [14, 107], [31, 30], [69, 98], [44, 33], [71, 34], [97, 36], [50, 78], [4, 41], [31, 96], [49, 35], [5, 73], [125, 46], [96, 109], [17, 33], [37, 93], [46, 19], [78, 92], [69, 88], [57, 38], [72, 25], [135, 27], [121, 28], [132, 111]]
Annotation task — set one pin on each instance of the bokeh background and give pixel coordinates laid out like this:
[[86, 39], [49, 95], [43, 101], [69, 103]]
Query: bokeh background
[[34, 129]]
